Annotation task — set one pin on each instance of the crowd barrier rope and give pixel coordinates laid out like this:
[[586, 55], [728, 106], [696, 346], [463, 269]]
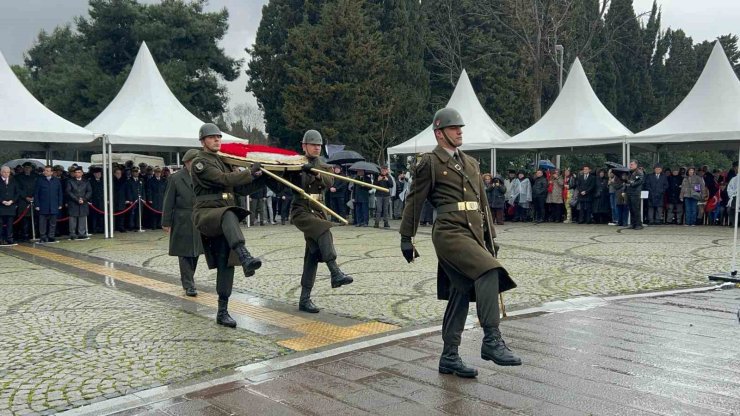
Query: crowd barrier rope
[[115, 214], [150, 208]]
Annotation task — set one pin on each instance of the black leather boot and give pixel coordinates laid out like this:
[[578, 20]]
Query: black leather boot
[[223, 317], [249, 263], [451, 363], [338, 277], [494, 348], [306, 304]]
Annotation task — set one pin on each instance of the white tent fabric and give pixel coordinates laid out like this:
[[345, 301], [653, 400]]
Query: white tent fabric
[[24, 120], [577, 118], [709, 113], [480, 132], [146, 113]]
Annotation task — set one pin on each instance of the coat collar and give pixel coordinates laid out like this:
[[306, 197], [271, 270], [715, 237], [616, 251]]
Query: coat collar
[[445, 158]]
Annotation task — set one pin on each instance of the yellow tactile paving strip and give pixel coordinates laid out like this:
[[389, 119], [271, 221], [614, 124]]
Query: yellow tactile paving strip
[[316, 334]]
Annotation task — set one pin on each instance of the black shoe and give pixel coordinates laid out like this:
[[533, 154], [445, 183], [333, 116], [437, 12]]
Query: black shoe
[[377, 225], [494, 349], [191, 292], [639, 227], [386, 225], [338, 277], [52, 240], [451, 363], [308, 306], [71, 237], [223, 317], [43, 240], [249, 263]]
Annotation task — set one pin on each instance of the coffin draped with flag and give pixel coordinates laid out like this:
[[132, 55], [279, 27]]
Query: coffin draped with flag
[[271, 158]]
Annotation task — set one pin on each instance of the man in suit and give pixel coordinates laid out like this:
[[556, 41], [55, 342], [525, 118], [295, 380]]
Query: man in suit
[[26, 187], [155, 189], [177, 221], [134, 190], [586, 187], [9, 196], [48, 197], [463, 238], [656, 185], [78, 192], [97, 186]]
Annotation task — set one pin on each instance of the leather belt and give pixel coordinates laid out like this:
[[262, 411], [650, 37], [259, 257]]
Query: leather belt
[[214, 197], [458, 206]]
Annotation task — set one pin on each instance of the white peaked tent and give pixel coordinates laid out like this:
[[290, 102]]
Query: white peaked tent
[[480, 131], [709, 113], [145, 113], [576, 119], [26, 123]]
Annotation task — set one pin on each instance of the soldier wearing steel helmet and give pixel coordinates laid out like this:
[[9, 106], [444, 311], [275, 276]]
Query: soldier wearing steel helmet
[[313, 222], [463, 235], [216, 215]]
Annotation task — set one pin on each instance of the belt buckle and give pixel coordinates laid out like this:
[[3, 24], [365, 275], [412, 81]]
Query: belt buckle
[[224, 196], [461, 206], [471, 205]]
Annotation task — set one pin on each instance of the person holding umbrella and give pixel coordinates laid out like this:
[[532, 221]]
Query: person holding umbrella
[[313, 222], [463, 238]]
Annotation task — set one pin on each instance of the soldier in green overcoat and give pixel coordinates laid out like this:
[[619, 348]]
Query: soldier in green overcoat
[[463, 238], [312, 221], [177, 221], [216, 215]]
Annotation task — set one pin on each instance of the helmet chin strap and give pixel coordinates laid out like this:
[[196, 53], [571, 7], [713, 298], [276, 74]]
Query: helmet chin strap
[[448, 140]]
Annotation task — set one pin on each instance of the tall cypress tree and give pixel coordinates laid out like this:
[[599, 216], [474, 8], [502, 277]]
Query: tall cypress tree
[[267, 69]]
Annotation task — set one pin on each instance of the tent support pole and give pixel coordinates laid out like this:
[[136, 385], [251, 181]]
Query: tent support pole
[[177, 155], [493, 162], [733, 266], [110, 186], [106, 191]]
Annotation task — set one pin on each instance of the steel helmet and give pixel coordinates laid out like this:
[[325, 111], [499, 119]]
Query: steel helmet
[[447, 117], [209, 129], [312, 137]]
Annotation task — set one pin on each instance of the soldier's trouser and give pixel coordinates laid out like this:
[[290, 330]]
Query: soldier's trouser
[[224, 272], [47, 225], [232, 231], [187, 271], [320, 250], [78, 226], [487, 308]]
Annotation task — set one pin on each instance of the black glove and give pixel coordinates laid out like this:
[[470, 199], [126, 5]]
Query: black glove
[[408, 250], [256, 166], [308, 169]]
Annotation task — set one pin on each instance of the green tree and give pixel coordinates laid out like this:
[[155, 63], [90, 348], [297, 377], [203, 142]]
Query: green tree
[[76, 71], [338, 78]]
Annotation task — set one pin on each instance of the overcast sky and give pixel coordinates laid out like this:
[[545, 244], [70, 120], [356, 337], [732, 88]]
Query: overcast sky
[[21, 20]]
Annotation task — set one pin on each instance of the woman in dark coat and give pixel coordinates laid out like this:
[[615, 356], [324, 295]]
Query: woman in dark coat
[[496, 193], [155, 189], [602, 205]]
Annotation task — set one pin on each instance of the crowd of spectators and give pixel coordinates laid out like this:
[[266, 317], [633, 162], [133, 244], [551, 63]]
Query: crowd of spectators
[[680, 196]]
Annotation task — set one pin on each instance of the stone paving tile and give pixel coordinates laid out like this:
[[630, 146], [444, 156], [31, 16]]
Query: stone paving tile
[[548, 261], [567, 370], [67, 342]]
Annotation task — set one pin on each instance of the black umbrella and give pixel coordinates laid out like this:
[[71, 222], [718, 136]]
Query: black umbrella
[[366, 166], [613, 165], [621, 169], [345, 157]]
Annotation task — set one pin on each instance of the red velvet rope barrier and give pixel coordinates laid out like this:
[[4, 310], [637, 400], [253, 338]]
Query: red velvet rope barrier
[[23, 214], [150, 208], [115, 214]]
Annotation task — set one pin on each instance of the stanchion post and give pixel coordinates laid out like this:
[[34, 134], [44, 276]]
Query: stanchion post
[[33, 223], [140, 209]]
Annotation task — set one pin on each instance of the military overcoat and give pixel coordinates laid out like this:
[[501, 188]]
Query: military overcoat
[[214, 179], [305, 215], [177, 213], [463, 239]]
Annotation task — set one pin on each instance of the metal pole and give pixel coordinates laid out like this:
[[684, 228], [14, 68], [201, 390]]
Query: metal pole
[[493, 162], [733, 266], [106, 198], [33, 222], [110, 186], [140, 209], [177, 155]]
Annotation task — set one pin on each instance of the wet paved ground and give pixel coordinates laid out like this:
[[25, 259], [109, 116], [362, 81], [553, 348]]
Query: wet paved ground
[[86, 321], [673, 355]]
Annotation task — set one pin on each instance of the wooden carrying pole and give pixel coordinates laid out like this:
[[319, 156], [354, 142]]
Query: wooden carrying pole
[[355, 181], [304, 194]]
